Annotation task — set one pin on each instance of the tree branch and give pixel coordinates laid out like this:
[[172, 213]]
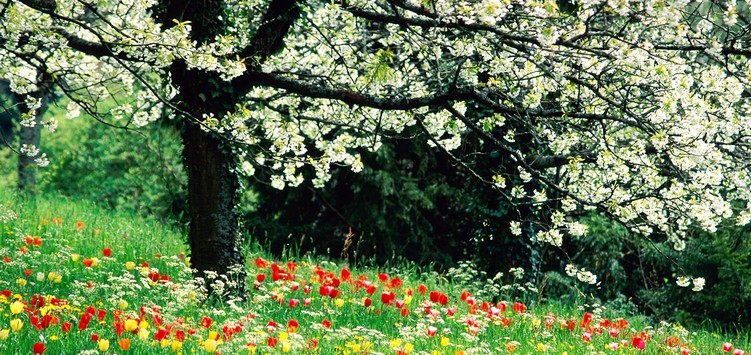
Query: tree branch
[[269, 38]]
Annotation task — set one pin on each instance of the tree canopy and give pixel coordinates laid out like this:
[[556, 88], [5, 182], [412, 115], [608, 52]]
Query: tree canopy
[[638, 110]]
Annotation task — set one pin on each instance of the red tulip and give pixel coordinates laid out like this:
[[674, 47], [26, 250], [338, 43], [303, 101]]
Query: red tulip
[[272, 342], [292, 325], [587, 336], [83, 323], [38, 348], [206, 322], [638, 343], [432, 331], [388, 297]]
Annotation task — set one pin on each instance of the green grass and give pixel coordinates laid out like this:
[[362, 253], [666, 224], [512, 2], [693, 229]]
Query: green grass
[[143, 291]]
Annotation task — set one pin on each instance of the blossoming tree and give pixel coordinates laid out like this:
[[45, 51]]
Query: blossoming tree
[[638, 110]]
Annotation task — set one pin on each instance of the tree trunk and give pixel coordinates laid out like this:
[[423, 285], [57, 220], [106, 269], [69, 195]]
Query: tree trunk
[[32, 135], [213, 185], [212, 193]]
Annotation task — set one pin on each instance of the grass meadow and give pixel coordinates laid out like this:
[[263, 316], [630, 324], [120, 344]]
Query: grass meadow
[[75, 279]]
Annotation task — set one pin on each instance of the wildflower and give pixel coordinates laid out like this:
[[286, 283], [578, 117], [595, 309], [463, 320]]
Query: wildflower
[[432, 331], [292, 325], [587, 336], [388, 297], [38, 348], [614, 332], [638, 343], [445, 341], [612, 346], [88, 262], [422, 289], [54, 277], [4, 334], [206, 322], [122, 304], [271, 342], [339, 302], [367, 302], [512, 346], [396, 282], [671, 341], [66, 326], [176, 345], [21, 282], [16, 324], [210, 345], [107, 252], [75, 257], [586, 320], [382, 277], [519, 307], [16, 307], [80, 225], [326, 323], [685, 351], [124, 344], [130, 325]]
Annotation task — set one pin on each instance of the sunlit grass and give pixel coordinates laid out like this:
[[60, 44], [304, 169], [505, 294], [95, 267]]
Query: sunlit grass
[[75, 279]]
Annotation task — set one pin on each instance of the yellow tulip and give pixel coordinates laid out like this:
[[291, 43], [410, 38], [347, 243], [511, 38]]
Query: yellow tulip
[[4, 334], [104, 345], [16, 324], [131, 325], [16, 307], [210, 345], [143, 334], [176, 345]]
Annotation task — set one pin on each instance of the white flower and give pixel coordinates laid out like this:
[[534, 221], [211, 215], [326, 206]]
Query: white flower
[[586, 277], [516, 228], [698, 284], [277, 182], [683, 281], [571, 270], [248, 168], [29, 150], [73, 110]]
